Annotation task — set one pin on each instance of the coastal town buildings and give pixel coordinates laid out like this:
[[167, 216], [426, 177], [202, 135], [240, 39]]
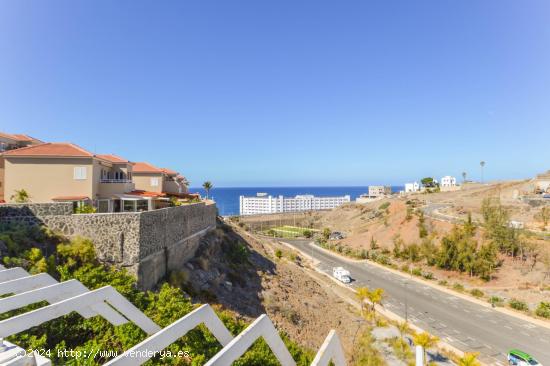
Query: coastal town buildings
[[65, 172], [267, 204]]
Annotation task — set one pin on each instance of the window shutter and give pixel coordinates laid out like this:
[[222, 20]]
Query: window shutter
[[79, 173]]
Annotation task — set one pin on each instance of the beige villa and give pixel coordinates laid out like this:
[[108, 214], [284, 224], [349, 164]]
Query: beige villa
[[62, 172], [11, 142], [149, 178]]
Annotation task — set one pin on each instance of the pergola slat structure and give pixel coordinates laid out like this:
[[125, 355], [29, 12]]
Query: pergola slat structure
[[65, 297]]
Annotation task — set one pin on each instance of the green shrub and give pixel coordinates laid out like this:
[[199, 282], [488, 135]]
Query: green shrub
[[477, 293], [443, 283], [85, 209], [417, 272], [278, 253], [518, 305], [543, 309], [428, 275], [384, 206], [458, 287], [496, 301]]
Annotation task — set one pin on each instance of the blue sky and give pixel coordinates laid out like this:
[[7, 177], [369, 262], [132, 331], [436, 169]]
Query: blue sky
[[248, 93]]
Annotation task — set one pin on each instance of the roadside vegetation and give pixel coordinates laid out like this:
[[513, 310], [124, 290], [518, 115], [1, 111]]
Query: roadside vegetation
[[477, 250], [39, 250]]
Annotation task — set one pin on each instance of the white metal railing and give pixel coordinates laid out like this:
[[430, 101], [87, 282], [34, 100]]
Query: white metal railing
[[102, 180], [68, 296]]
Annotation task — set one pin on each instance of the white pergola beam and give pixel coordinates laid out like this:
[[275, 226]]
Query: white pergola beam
[[261, 327], [24, 284], [78, 303], [331, 350], [143, 351], [12, 274]]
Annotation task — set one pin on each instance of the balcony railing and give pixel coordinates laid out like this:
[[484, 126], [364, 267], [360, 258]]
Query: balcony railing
[[115, 181]]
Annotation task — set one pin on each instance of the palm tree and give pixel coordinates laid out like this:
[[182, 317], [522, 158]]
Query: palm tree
[[362, 294], [402, 327], [425, 340], [207, 187], [469, 359], [463, 177], [482, 165], [20, 196]]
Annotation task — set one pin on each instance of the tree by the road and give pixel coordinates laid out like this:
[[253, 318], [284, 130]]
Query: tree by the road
[[469, 359], [374, 297], [464, 177], [426, 340]]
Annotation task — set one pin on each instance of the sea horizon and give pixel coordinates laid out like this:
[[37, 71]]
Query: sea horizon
[[227, 198]]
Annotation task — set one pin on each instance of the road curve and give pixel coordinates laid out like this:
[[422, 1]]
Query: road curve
[[464, 324]]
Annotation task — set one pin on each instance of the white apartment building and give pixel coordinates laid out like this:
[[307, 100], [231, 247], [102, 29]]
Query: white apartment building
[[412, 187], [379, 191], [266, 204], [448, 181]]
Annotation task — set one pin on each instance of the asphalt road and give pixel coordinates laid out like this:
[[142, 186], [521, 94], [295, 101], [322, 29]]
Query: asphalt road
[[467, 326]]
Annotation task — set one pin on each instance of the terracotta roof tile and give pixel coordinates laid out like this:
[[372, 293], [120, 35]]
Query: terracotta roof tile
[[18, 137], [143, 167], [169, 171], [61, 149], [112, 158], [146, 194]]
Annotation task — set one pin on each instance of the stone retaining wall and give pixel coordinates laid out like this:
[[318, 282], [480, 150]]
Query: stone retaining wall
[[149, 244]]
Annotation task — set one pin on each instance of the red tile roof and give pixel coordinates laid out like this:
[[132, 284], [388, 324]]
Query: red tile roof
[[112, 158], [169, 171], [146, 194], [22, 137], [70, 198], [17, 137], [143, 167], [57, 149]]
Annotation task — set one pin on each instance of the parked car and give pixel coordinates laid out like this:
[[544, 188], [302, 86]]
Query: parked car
[[341, 274], [336, 235], [520, 358]]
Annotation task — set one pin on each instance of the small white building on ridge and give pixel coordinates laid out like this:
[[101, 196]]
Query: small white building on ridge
[[266, 204], [412, 187], [448, 181]]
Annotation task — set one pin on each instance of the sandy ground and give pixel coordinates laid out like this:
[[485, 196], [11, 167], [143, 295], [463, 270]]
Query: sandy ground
[[297, 299]]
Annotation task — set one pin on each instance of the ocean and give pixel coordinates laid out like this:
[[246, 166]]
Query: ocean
[[227, 199]]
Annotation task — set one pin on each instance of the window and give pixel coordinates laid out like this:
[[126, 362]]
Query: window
[[142, 205], [129, 206], [154, 182], [79, 173]]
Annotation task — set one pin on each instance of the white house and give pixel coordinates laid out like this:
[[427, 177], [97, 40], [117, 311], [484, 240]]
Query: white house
[[412, 187], [448, 181]]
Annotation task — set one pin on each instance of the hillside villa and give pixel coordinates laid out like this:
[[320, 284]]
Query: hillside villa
[[10, 142], [65, 172]]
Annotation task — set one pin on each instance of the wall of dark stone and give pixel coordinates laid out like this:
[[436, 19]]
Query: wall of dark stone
[[148, 244]]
